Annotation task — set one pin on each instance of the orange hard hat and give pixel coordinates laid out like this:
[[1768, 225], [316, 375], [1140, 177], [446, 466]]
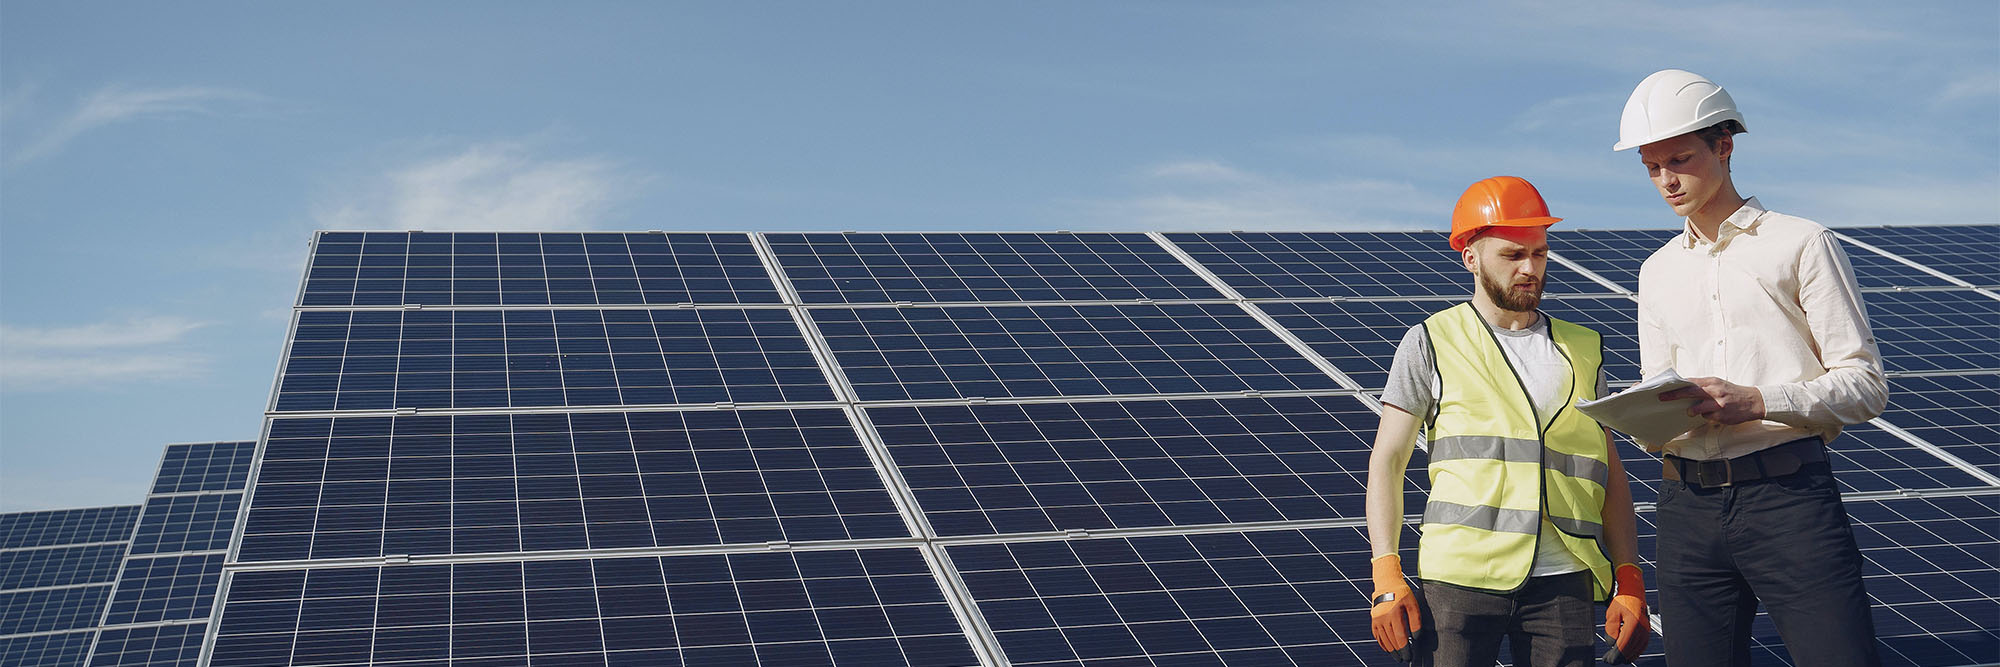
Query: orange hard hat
[[1500, 201]]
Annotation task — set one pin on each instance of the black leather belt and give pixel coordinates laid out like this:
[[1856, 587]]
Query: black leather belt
[[1774, 461]]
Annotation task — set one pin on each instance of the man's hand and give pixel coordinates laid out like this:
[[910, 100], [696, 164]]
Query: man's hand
[[1625, 621], [1720, 401], [1394, 618]]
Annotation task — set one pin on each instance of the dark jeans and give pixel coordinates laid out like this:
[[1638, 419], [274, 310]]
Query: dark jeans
[[1548, 623], [1782, 540]]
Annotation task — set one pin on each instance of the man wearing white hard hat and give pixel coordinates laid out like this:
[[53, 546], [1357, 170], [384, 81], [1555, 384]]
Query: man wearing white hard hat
[[1760, 311]]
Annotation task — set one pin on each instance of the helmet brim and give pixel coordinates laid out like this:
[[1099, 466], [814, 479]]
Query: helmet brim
[[1459, 241]]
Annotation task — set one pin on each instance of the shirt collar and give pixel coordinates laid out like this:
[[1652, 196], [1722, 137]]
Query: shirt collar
[[1744, 219]]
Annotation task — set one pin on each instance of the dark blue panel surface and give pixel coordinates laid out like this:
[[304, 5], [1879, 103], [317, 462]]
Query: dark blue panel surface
[[378, 360], [79, 526], [947, 267], [1867, 458], [1958, 413], [1614, 254], [864, 608], [168, 588], [1936, 331], [212, 466], [356, 486], [1265, 598], [956, 352], [1303, 265], [1360, 337], [987, 469], [59, 566], [485, 269], [57, 650], [51, 609], [150, 646], [187, 523], [1967, 252]]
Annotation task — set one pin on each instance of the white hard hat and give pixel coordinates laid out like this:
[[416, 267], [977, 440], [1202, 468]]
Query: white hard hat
[[1673, 102]]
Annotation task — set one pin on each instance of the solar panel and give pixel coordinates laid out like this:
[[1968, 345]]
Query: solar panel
[[1930, 573], [1021, 351], [187, 523], [952, 267], [1276, 597], [1936, 331], [1360, 337], [56, 569], [1967, 252], [985, 469], [1614, 254], [1958, 413], [369, 486], [213, 466], [486, 269], [53, 650], [78, 526], [175, 645], [376, 360], [1304, 265], [857, 607], [166, 588], [1868, 459]]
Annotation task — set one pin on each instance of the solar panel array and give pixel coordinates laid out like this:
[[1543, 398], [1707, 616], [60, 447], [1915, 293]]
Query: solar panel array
[[923, 449], [166, 586], [56, 574]]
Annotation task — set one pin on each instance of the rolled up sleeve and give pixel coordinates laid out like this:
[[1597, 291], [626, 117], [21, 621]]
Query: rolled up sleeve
[[1853, 389]]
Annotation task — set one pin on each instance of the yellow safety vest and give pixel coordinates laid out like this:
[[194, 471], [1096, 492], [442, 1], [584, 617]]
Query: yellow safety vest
[[1495, 471]]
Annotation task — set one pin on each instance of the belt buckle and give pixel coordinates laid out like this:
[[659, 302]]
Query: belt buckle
[[1728, 475]]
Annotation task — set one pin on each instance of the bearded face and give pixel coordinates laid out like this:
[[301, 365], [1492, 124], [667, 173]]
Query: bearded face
[[1511, 292]]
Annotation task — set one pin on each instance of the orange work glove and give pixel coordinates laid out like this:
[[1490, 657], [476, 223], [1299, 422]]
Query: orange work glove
[[1625, 621], [1395, 618]]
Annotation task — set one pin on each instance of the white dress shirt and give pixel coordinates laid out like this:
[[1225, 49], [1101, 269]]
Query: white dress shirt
[[1770, 303]]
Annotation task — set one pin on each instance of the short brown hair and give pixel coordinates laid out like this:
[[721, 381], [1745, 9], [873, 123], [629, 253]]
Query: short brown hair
[[1714, 134]]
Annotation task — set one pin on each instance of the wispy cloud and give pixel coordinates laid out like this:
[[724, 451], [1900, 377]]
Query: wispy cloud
[[141, 348], [1210, 195], [491, 186], [115, 104], [1974, 87]]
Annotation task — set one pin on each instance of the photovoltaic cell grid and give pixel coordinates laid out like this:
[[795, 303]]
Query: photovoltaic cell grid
[[78, 526], [1933, 576], [1304, 265], [59, 566], [166, 588], [1360, 337], [1023, 351], [51, 609], [64, 649], [1967, 252], [1614, 254], [369, 486], [176, 645], [854, 607], [950, 267], [1936, 331], [215, 466], [375, 360], [486, 269], [987, 469], [1263, 598], [174, 524], [1958, 413]]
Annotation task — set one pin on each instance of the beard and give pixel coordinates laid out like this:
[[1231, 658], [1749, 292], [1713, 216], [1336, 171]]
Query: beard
[[1508, 299]]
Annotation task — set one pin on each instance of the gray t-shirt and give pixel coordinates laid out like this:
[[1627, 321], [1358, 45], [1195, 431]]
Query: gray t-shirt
[[1413, 386]]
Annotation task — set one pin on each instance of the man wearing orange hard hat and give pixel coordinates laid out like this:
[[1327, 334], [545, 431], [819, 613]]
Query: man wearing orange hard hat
[[1759, 311], [1526, 492]]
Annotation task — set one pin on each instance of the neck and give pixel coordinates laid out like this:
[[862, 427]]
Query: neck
[[1708, 220], [1501, 317]]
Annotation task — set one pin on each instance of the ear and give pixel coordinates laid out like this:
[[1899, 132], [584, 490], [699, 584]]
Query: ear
[[1724, 147], [1470, 255]]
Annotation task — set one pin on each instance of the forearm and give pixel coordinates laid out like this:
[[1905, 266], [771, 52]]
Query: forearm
[[1846, 395], [1395, 439]]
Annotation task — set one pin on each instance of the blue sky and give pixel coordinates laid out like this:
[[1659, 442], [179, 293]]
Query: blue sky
[[162, 165]]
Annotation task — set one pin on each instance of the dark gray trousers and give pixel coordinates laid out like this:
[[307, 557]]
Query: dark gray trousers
[[1548, 623], [1782, 540]]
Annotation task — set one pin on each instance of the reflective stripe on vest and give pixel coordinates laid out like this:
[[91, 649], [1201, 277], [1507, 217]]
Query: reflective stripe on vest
[[1496, 471]]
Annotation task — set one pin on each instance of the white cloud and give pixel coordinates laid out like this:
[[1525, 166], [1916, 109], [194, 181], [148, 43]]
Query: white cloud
[[492, 186], [1970, 88], [141, 348], [114, 104]]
